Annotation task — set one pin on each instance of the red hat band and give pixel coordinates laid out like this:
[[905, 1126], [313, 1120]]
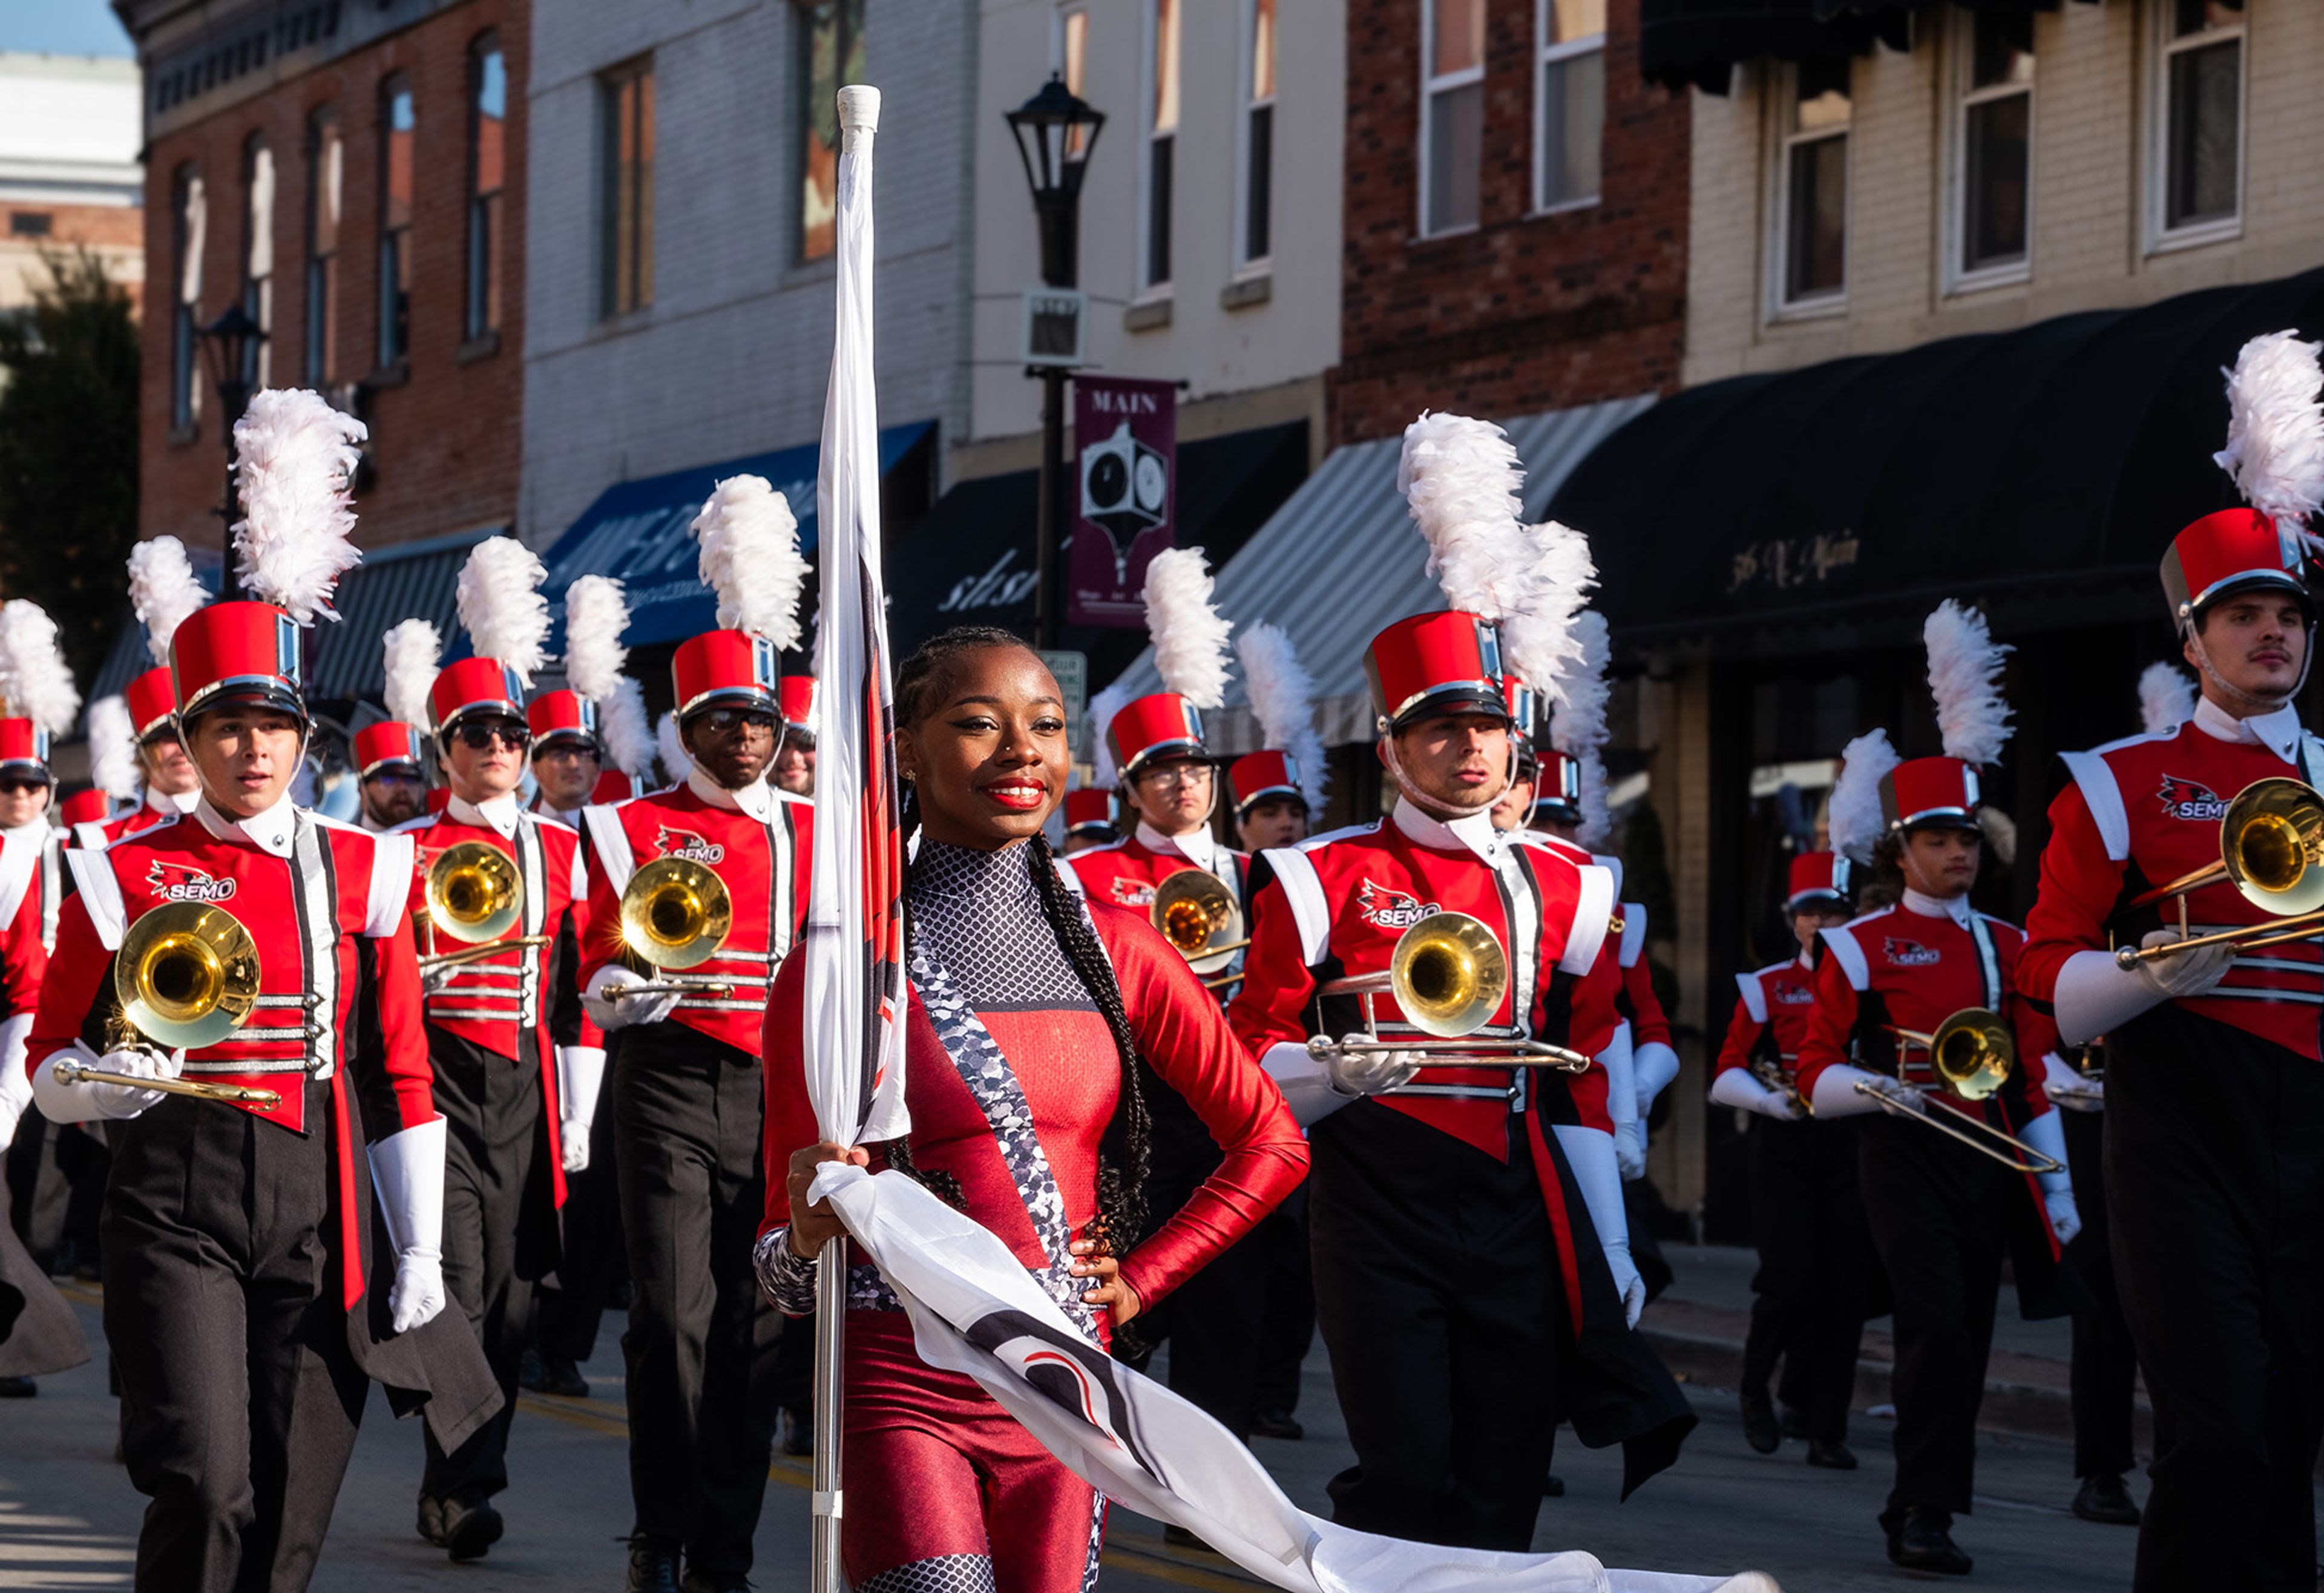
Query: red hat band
[[388, 741], [561, 716], [800, 699], [472, 688], [729, 666], [1557, 789], [237, 652], [1446, 663], [153, 702], [1163, 726], [1818, 874], [1260, 776], [23, 749], [1089, 808], [84, 808], [2232, 551], [1929, 791]]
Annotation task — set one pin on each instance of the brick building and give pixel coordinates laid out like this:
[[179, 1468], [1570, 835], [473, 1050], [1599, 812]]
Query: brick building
[[1515, 212], [69, 174], [354, 175]]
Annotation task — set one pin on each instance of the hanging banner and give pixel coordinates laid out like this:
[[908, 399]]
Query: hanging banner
[[1126, 485]]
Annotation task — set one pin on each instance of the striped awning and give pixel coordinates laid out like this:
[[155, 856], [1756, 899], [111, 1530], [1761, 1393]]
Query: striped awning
[[1341, 561]]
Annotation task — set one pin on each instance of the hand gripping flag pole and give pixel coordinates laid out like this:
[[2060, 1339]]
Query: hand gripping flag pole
[[854, 932]]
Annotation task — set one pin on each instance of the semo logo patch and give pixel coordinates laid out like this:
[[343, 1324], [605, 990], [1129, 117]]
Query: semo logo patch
[[1909, 954], [688, 845], [2189, 799], [1132, 893], [180, 882], [1392, 909]]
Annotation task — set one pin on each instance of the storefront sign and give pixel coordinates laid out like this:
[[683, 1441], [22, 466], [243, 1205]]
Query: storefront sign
[[1125, 475]]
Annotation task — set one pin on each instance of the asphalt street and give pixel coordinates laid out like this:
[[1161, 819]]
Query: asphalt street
[[69, 1518]]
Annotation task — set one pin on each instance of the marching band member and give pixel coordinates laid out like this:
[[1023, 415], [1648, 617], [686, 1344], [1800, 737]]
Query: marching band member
[[1277, 791], [1089, 818], [794, 767], [112, 744], [1807, 1212], [162, 589], [1022, 994], [391, 755], [685, 1094], [2213, 1103], [1472, 1259], [516, 1063], [1940, 1212], [235, 1230]]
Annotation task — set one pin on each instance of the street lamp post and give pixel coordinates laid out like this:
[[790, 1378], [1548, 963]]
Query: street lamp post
[[230, 343], [1055, 130]]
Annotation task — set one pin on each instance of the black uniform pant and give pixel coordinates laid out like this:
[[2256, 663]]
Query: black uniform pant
[[2105, 1365], [223, 1310], [500, 1220], [1288, 1330], [1438, 1291], [591, 1252], [1815, 1266], [2215, 1182], [687, 1114], [1939, 1215]]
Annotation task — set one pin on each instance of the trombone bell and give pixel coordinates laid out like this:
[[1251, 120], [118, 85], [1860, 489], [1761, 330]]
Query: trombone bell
[[676, 913], [1974, 1053], [1448, 974], [1197, 913], [474, 893], [186, 975], [2271, 841]]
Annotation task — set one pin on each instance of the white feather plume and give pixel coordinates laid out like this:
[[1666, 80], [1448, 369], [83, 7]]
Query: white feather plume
[[1539, 638], [501, 606], [2275, 428], [1582, 689], [113, 749], [676, 764], [293, 454], [413, 650], [1597, 826], [1965, 667], [596, 616], [1283, 698], [1459, 478], [1190, 636], [2166, 699], [1102, 707], [35, 681], [164, 590], [1856, 819], [751, 559], [623, 728]]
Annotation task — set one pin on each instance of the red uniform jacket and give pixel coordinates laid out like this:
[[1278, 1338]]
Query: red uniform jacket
[[153, 810], [332, 935], [764, 864], [1771, 1016], [1649, 1024], [23, 958], [1913, 970], [1123, 873], [2141, 812], [1335, 904], [495, 1002], [1064, 1059]]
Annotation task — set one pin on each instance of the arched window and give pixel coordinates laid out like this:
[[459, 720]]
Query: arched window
[[397, 128], [487, 173], [258, 256], [326, 197], [188, 225]]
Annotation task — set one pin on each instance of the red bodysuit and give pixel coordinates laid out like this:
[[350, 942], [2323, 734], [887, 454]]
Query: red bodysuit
[[1001, 1032]]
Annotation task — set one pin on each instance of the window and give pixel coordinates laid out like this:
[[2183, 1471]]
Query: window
[[30, 223], [258, 257], [625, 120], [487, 171], [1813, 229], [396, 135], [1073, 50], [189, 224], [1452, 112], [1570, 103], [1161, 144], [1258, 135], [1993, 162], [2199, 165], [326, 191], [831, 55]]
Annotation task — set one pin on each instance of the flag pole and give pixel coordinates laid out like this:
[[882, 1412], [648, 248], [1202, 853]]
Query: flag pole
[[824, 1572]]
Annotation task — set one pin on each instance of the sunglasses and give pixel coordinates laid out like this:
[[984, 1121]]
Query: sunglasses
[[477, 737], [18, 787], [726, 722]]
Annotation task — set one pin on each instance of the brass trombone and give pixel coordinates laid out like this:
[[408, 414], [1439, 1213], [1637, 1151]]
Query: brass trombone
[[1770, 1073], [1448, 974], [676, 913], [1197, 913], [186, 977], [1974, 1053], [2271, 843], [475, 894]]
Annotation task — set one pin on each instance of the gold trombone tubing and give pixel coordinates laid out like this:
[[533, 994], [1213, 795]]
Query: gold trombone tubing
[[1460, 1050], [477, 953], [2244, 937], [73, 1073], [669, 987], [1990, 1146]]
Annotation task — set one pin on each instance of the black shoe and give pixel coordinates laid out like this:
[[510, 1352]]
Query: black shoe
[[1178, 1537], [471, 1528], [1552, 1486], [653, 1565], [1831, 1454], [561, 1377], [698, 1581], [2103, 1498], [1924, 1541], [18, 1388], [1795, 1423], [798, 1432], [431, 1520], [1276, 1424], [532, 1373], [1760, 1429]]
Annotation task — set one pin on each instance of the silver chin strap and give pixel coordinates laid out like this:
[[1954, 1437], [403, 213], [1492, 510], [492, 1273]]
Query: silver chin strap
[[1428, 805], [2236, 693]]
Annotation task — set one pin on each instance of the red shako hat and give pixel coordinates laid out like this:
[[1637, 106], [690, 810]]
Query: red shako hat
[[387, 743], [474, 688], [1258, 776], [84, 808], [1557, 789], [24, 749], [1442, 663], [1818, 874], [561, 715], [801, 696], [152, 704], [1921, 792], [1089, 807], [614, 786], [2232, 551], [237, 652], [1162, 724], [2275, 441], [725, 669]]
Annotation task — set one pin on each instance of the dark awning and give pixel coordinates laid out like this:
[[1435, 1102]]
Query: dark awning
[[1683, 43], [971, 562], [2043, 470]]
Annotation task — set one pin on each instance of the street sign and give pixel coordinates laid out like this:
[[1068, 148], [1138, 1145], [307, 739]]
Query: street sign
[[1071, 670], [1055, 319]]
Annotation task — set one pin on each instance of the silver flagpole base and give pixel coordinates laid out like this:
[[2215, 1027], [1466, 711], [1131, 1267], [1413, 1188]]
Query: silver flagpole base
[[825, 1574]]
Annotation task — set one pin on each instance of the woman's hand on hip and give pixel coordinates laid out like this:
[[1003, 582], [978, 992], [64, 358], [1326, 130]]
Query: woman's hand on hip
[[1094, 1261], [814, 1224]]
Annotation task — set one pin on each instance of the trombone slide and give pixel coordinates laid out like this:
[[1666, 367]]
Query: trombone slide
[[1462, 1051], [669, 987], [73, 1073], [2244, 937], [2001, 1146], [477, 953]]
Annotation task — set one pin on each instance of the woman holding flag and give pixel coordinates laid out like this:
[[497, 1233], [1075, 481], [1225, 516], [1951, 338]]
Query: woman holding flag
[[1029, 1013]]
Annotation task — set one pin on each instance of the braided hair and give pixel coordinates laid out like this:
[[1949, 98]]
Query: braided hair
[[1124, 1149]]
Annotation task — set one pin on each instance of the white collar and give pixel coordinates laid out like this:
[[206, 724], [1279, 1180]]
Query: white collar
[[177, 802], [757, 799], [268, 831], [36, 832], [1802, 959], [569, 817], [1955, 908], [1471, 832], [501, 815], [2278, 731], [1198, 847]]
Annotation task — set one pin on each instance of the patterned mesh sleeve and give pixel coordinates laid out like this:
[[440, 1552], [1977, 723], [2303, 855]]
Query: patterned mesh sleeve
[[787, 1278]]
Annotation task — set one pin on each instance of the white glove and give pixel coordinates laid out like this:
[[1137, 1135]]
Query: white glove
[[1358, 1074], [1837, 1095], [2047, 1135], [433, 981], [15, 1083], [2065, 1219], [1739, 1088], [2071, 1089], [1654, 1066], [1306, 1088], [1589, 1152], [407, 1169], [1630, 1150], [580, 1070], [79, 1102], [2096, 994], [609, 1012], [2190, 973], [1622, 1102]]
